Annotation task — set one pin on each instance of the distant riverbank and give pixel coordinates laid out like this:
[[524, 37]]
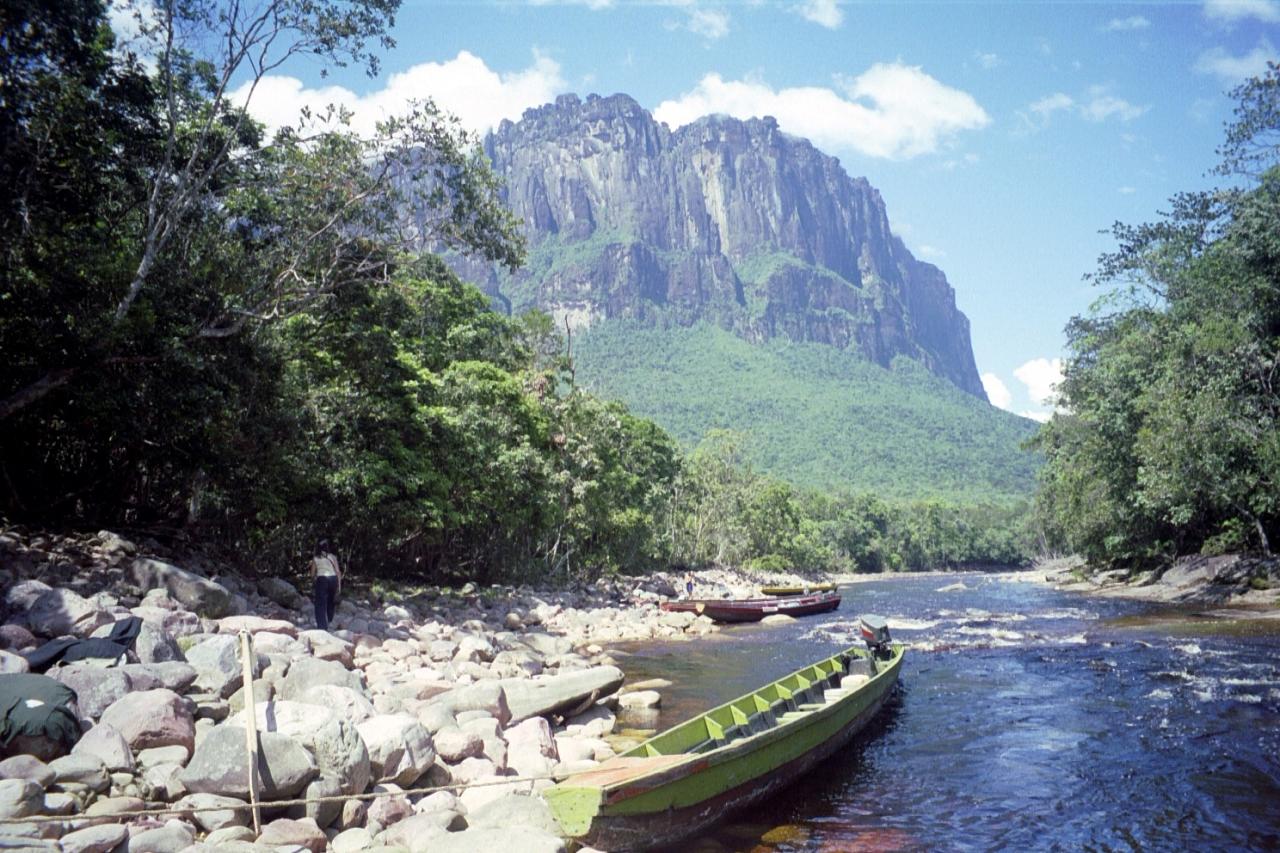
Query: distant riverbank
[[1231, 586]]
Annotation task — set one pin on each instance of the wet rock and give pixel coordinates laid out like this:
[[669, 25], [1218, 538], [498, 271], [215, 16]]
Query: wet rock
[[640, 699], [198, 594]]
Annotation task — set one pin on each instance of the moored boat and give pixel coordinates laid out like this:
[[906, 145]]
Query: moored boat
[[805, 589], [684, 779], [755, 609]]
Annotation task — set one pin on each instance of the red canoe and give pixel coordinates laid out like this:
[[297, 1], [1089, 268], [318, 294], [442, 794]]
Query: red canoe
[[755, 609]]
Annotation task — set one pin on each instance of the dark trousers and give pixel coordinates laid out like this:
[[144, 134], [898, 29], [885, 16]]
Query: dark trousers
[[326, 597]]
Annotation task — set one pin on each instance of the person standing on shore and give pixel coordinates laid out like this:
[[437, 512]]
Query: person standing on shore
[[688, 584], [326, 578]]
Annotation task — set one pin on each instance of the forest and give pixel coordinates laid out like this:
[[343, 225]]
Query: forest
[[243, 344], [1168, 441]]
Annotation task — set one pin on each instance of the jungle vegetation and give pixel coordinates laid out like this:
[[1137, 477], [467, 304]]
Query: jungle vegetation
[[245, 342], [1169, 442]]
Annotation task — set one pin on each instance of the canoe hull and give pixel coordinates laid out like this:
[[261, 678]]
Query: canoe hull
[[685, 794], [624, 832], [755, 609]]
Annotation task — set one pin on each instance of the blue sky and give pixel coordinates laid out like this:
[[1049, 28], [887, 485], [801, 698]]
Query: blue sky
[[1003, 136]]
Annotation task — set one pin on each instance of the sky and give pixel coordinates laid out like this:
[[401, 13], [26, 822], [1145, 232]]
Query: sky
[[1004, 137]]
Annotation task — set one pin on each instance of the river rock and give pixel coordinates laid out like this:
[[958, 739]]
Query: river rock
[[83, 771], [10, 662], [255, 625], [97, 688], [218, 666], [335, 743], [55, 612], [294, 833], [400, 749], [101, 838], [203, 596], [349, 704], [174, 837], [153, 718], [454, 744], [229, 811], [512, 810], [105, 743], [220, 765], [523, 839], [418, 833], [20, 798], [29, 768], [539, 697], [307, 673]]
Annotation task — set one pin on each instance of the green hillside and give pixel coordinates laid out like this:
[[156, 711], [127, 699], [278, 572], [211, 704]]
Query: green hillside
[[812, 414]]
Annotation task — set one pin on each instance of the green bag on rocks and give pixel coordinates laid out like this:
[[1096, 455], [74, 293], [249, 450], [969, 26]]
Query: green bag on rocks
[[36, 716]]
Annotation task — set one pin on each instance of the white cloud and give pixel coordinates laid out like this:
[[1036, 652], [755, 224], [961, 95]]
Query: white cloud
[[1235, 10], [988, 60], [1102, 105], [890, 110], [1097, 105], [1041, 375], [1234, 69], [464, 85], [1133, 22], [710, 23], [997, 391], [1042, 417], [822, 12]]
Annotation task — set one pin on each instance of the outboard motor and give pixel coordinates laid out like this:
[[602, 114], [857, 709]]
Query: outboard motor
[[875, 633]]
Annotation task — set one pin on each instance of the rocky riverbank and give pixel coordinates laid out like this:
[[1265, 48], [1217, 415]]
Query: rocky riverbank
[[1229, 586], [483, 695]]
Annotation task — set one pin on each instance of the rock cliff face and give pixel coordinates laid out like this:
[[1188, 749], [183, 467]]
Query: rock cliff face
[[727, 221]]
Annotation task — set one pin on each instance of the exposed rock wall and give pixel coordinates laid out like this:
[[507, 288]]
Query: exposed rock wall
[[728, 221]]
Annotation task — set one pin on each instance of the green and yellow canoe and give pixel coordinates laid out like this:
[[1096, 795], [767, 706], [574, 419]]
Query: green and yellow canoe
[[825, 586], [683, 780]]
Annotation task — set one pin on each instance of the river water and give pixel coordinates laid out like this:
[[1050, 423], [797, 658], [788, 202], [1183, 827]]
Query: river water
[[1026, 719]]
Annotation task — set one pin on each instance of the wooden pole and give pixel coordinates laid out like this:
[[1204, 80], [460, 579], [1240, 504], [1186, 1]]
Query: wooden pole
[[251, 727]]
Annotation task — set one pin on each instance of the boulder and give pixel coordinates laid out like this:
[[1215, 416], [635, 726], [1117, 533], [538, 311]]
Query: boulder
[[174, 837], [106, 744], [153, 718], [221, 766], [539, 697], [400, 749], [488, 696], [454, 744], [60, 611], [512, 810], [173, 675], [417, 833], [293, 834], [27, 767], [10, 662], [334, 742], [229, 811], [640, 699], [516, 839], [102, 838], [201, 595], [97, 688], [80, 772], [218, 666], [281, 592], [20, 798], [307, 673], [323, 810], [349, 704]]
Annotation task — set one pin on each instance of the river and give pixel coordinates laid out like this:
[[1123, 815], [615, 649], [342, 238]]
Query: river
[[1026, 719]]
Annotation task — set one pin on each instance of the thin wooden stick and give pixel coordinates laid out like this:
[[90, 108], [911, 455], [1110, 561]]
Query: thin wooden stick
[[251, 728]]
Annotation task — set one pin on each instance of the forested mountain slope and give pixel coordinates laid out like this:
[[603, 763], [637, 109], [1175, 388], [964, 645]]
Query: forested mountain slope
[[812, 414]]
